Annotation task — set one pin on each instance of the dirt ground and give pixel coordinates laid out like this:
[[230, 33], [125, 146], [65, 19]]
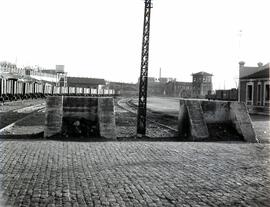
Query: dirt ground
[[125, 124]]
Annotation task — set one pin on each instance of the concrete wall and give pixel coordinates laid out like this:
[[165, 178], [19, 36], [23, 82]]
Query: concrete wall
[[217, 112], [81, 116], [106, 118]]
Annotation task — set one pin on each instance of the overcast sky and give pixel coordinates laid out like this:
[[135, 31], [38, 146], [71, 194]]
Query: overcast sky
[[103, 39]]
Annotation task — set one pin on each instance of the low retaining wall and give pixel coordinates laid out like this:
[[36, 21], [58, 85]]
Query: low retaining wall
[[214, 112], [75, 116]]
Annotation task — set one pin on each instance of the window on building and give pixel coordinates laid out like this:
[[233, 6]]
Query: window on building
[[249, 92], [267, 94], [194, 79], [259, 94]]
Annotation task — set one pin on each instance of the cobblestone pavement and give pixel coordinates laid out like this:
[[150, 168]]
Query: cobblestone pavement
[[57, 173], [261, 126]]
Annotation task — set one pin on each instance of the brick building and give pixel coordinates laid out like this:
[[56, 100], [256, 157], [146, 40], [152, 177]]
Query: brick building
[[254, 87], [201, 84], [180, 89], [199, 87]]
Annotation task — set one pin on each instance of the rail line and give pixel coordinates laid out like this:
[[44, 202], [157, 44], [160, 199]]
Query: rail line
[[26, 112], [127, 105]]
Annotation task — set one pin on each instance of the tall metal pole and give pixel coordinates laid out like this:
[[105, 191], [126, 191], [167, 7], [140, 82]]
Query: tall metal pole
[[141, 117]]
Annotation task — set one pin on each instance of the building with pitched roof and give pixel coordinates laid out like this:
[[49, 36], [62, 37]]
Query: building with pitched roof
[[85, 82], [254, 87]]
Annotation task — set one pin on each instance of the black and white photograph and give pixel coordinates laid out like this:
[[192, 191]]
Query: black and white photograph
[[134, 103]]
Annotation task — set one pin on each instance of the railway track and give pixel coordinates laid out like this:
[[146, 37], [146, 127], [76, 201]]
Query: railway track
[[9, 118], [152, 117]]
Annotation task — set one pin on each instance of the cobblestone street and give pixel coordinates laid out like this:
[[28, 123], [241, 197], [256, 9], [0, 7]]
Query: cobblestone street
[[56, 173]]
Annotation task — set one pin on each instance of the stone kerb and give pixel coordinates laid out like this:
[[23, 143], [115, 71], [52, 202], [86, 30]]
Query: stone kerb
[[70, 116], [216, 112]]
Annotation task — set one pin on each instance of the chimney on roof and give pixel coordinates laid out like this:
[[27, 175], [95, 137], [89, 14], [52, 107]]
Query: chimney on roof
[[241, 64], [260, 64]]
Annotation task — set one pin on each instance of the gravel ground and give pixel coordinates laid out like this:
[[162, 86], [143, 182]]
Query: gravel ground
[[125, 123], [9, 112], [126, 126], [14, 105]]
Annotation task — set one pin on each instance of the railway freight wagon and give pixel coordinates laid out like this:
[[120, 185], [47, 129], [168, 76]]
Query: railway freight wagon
[[19, 88], [38, 90], [225, 95], [233, 95], [56, 90], [111, 91], [93, 91], [13, 89], [48, 89], [100, 91], [105, 91], [86, 91], [79, 90], [71, 90], [64, 90]]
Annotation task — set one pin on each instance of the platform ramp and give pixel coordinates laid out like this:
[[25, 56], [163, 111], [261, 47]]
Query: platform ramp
[[242, 122], [195, 117], [198, 127], [80, 116]]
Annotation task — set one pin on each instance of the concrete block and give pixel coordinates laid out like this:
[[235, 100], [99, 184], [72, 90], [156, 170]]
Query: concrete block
[[80, 107], [106, 118], [80, 116], [53, 116], [216, 111], [199, 113]]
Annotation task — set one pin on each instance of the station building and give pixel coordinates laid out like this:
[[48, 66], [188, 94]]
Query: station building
[[254, 87]]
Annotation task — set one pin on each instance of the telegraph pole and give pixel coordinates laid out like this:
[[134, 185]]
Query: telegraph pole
[[141, 117]]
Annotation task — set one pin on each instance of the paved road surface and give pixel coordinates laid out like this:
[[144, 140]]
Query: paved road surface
[[58, 173], [55, 173]]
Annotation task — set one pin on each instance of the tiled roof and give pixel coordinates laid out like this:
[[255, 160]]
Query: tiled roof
[[260, 74]]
